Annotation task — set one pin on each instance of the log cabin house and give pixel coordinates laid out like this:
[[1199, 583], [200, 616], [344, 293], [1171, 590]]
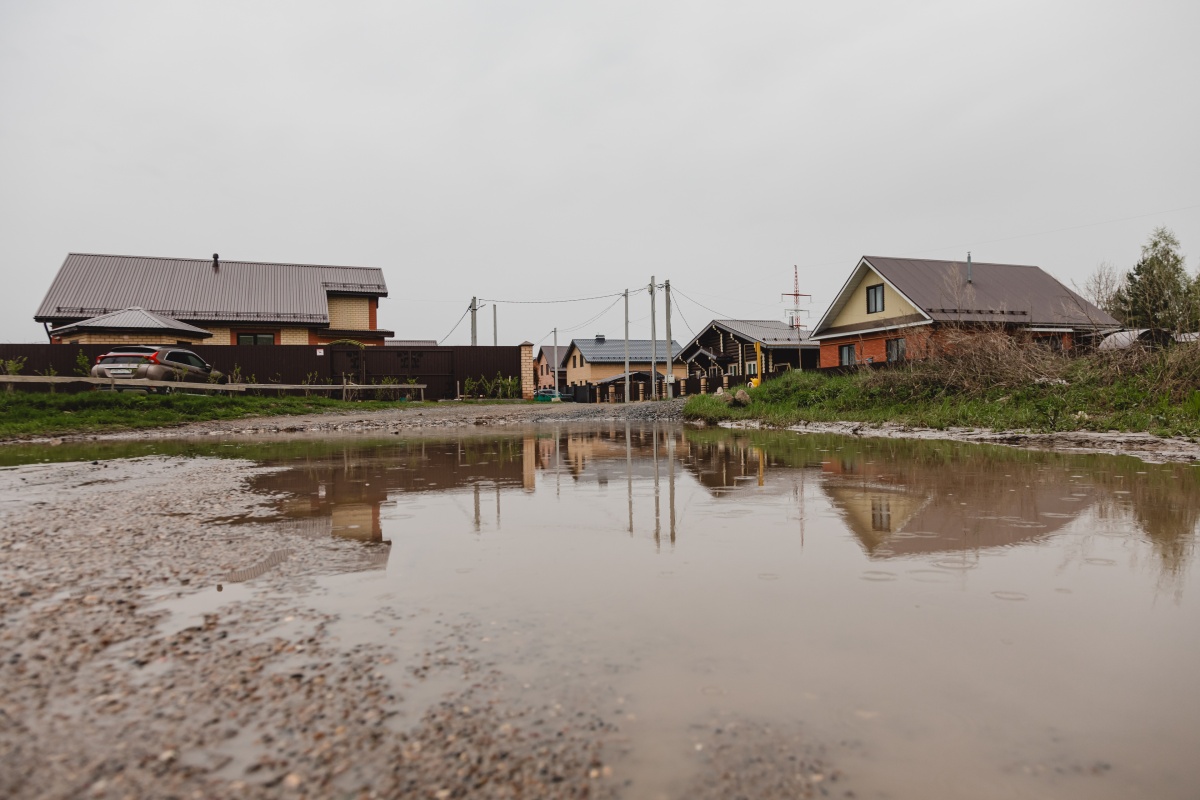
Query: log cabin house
[[725, 348]]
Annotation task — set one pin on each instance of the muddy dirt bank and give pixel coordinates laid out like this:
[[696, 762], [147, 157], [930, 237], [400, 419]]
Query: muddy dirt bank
[[163, 635], [449, 415]]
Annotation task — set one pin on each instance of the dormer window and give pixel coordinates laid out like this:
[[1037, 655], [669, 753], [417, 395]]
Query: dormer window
[[875, 298]]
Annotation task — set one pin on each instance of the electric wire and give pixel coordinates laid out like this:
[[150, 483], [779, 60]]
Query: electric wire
[[452, 330], [687, 325], [706, 308], [546, 302], [593, 319]]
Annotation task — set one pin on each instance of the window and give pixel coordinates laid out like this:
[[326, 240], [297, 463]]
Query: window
[[881, 515], [573, 364], [256, 338], [875, 298], [751, 368], [733, 370], [896, 349], [845, 355]]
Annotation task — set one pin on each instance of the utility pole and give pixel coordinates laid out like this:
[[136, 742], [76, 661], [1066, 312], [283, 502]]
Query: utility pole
[[627, 354], [670, 356], [556, 360], [653, 346], [474, 328], [495, 329]]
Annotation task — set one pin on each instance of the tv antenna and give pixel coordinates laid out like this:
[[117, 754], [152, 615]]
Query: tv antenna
[[796, 295]]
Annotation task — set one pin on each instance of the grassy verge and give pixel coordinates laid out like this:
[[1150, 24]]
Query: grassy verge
[[43, 414], [1037, 391]]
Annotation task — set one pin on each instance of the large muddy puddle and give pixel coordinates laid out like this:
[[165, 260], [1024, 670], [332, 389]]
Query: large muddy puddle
[[932, 619]]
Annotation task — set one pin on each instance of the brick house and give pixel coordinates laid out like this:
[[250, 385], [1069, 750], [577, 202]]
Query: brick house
[[235, 302], [892, 309]]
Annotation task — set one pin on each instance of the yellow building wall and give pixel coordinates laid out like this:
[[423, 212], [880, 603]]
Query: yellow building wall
[[349, 313], [219, 336], [293, 336], [590, 373], [855, 310], [130, 338]]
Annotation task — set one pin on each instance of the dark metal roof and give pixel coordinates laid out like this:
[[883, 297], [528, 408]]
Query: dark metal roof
[[612, 351], [766, 331], [186, 288], [997, 293], [133, 319]]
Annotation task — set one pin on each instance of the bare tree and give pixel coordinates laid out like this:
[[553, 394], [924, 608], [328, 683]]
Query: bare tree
[[1102, 286]]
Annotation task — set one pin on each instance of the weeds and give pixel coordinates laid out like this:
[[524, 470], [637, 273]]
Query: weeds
[[991, 382]]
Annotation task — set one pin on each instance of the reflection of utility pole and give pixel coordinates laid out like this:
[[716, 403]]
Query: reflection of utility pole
[[671, 481], [657, 515], [497, 506], [629, 475], [476, 507]]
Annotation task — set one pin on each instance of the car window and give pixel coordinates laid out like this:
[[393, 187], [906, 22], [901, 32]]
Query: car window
[[177, 357], [196, 361], [122, 359]]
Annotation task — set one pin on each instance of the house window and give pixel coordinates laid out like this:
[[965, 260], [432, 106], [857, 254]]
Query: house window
[[573, 364], [875, 298], [881, 515], [733, 370], [896, 349], [1054, 343], [846, 355], [751, 368], [256, 338]]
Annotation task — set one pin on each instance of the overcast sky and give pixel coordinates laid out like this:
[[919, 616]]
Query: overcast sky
[[538, 151]]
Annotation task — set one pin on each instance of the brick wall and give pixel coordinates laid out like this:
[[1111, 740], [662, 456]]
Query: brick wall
[[349, 313], [528, 380]]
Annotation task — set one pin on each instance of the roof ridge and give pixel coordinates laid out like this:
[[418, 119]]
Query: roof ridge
[[223, 261], [948, 261]]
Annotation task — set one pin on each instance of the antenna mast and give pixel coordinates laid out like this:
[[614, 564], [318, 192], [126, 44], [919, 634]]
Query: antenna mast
[[795, 295]]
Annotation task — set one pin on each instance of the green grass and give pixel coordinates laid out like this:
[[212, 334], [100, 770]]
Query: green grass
[[1089, 399], [25, 414]]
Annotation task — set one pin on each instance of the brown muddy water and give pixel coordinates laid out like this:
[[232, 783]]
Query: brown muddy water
[[931, 619]]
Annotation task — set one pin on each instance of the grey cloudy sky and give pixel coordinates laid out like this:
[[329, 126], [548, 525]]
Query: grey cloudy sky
[[534, 151]]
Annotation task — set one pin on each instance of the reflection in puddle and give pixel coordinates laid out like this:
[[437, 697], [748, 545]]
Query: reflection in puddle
[[845, 588]]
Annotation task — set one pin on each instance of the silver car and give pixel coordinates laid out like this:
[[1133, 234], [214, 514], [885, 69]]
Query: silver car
[[156, 364]]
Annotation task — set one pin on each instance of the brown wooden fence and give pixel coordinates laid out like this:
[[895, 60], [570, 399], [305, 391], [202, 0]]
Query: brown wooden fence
[[444, 370]]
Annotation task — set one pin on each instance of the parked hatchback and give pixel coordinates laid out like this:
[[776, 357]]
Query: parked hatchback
[[156, 364]]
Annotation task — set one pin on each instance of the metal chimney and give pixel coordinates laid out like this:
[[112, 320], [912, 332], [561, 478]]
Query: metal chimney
[[968, 266], [216, 262]]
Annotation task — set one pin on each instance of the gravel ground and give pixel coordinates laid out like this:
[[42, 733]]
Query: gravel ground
[[110, 689]]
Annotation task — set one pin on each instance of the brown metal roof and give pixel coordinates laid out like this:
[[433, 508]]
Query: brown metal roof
[[133, 319], [1004, 293], [88, 285], [1007, 294]]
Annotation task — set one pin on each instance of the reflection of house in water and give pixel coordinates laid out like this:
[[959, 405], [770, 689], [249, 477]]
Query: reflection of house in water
[[909, 507], [339, 487]]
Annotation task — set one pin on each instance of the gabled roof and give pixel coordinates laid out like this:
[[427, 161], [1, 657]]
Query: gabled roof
[[612, 351], [997, 293], [768, 332], [188, 288], [548, 351], [133, 319]]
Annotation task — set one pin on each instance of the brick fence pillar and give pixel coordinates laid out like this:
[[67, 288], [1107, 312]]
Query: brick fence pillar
[[528, 384]]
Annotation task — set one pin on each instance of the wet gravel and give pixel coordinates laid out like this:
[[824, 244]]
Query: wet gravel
[[151, 649]]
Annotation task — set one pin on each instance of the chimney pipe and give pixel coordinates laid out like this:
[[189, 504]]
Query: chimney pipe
[[968, 266], [216, 262]]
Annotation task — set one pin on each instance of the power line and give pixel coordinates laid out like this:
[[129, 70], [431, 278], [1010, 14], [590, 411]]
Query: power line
[[544, 302], [598, 316], [675, 303], [452, 330], [706, 308]]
